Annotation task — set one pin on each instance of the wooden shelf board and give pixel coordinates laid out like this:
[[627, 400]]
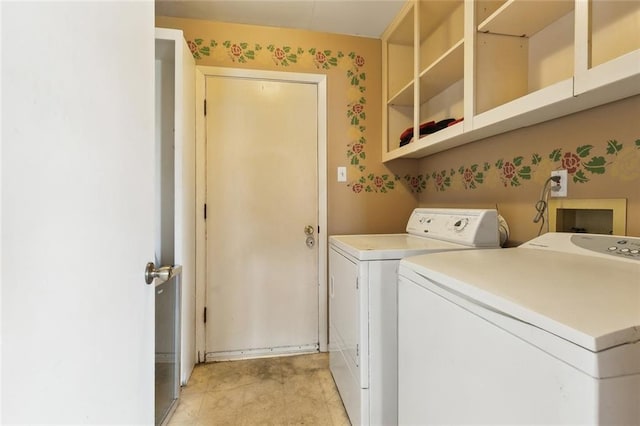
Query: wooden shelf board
[[445, 71], [430, 144], [403, 97], [531, 106], [525, 17]]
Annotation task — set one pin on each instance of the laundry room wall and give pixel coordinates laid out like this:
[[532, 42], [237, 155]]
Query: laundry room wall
[[599, 147], [376, 197]]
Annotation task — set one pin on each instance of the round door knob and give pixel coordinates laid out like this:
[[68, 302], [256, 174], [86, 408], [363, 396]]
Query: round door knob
[[310, 242], [150, 273], [308, 230]]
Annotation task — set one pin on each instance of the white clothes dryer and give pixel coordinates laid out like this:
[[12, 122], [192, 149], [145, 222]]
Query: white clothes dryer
[[545, 333], [363, 303]]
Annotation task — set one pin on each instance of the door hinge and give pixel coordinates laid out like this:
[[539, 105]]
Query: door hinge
[[357, 350], [205, 107], [205, 212], [357, 283], [205, 315]]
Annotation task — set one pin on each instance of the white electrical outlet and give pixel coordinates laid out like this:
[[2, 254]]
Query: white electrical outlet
[[559, 189], [342, 174]]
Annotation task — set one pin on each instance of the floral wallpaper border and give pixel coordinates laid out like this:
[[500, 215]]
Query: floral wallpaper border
[[323, 59], [582, 163]]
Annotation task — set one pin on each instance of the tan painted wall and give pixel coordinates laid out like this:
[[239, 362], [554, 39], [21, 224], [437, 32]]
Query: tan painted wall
[[376, 197], [600, 147], [507, 170]]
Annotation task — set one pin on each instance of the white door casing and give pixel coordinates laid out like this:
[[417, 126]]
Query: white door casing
[[176, 104], [319, 82], [77, 200]]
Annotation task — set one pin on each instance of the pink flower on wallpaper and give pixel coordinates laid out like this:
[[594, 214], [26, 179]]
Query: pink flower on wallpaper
[[359, 61], [439, 180], [192, 46], [467, 176], [357, 108], [357, 188], [571, 162], [357, 148], [414, 182], [320, 58], [378, 182], [236, 50], [509, 170], [279, 54]]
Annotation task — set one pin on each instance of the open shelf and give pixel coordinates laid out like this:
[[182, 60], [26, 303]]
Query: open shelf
[[615, 30], [403, 97], [523, 47], [608, 60], [441, 74], [400, 54], [434, 13], [502, 65], [524, 18], [430, 144]]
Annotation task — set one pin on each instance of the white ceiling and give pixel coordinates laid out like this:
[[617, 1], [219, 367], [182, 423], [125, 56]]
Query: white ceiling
[[367, 18]]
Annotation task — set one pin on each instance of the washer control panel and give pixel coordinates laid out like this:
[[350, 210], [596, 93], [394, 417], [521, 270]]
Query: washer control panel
[[628, 247], [472, 227], [621, 247]]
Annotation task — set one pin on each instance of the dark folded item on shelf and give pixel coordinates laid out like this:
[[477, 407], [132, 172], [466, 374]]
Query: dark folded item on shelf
[[407, 135], [427, 129], [438, 126]]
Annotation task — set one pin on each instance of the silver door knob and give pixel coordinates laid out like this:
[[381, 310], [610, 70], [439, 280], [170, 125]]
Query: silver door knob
[[310, 242], [150, 273], [308, 230]]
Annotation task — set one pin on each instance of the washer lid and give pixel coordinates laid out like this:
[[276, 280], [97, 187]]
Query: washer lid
[[389, 246], [593, 302]]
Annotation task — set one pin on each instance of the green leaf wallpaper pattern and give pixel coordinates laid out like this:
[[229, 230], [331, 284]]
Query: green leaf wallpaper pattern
[[325, 59], [417, 183], [581, 164], [375, 183], [284, 55]]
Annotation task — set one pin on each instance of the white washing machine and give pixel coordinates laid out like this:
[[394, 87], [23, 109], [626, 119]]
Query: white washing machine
[[545, 333], [362, 303]]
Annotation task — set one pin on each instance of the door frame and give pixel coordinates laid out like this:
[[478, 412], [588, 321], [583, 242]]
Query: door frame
[[320, 80]]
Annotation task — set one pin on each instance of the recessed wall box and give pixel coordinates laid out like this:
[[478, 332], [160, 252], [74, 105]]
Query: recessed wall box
[[593, 216]]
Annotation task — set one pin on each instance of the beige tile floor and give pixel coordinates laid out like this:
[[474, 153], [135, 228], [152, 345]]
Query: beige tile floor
[[294, 390]]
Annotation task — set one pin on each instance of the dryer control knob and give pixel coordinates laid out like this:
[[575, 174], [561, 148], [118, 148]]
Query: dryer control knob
[[460, 224]]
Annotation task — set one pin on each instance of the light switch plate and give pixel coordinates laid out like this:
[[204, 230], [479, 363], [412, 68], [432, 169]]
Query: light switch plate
[[342, 174]]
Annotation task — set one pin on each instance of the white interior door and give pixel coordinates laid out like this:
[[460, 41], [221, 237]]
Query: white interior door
[[262, 191], [77, 212]]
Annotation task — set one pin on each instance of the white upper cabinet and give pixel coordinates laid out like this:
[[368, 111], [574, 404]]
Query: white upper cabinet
[[500, 65], [608, 57]]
